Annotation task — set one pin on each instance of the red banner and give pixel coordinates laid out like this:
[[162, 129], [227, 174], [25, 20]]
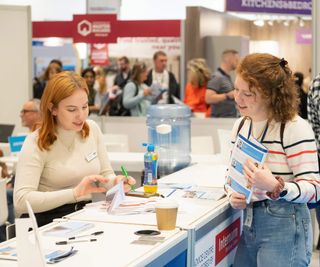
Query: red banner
[[99, 55], [104, 28], [227, 240]]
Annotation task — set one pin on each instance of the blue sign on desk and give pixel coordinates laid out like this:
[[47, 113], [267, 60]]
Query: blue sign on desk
[[16, 143]]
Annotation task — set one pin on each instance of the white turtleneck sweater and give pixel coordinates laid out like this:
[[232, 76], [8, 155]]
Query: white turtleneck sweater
[[47, 178]]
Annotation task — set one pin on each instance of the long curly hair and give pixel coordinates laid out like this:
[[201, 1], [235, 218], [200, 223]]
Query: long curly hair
[[199, 71], [271, 76], [61, 86]]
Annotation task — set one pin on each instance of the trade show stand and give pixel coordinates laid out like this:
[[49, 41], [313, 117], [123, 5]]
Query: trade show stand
[[213, 227], [118, 246]]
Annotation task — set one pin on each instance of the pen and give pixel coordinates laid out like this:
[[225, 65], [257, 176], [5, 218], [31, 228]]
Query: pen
[[125, 173], [80, 236], [75, 241], [174, 190]]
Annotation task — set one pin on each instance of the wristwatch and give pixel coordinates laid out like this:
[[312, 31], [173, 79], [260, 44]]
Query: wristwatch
[[284, 191]]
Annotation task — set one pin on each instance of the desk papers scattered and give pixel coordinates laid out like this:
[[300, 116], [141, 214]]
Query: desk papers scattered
[[10, 253], [67, 229]]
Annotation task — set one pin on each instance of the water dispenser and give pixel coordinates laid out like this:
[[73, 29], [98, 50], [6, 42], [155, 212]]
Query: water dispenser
[[169, 131]]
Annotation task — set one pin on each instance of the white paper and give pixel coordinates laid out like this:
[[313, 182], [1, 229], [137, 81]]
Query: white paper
[[114, 197], [243, 150], [68, 229]]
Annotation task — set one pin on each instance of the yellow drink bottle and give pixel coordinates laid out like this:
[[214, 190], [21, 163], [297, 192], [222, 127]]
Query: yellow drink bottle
[[150, 183]]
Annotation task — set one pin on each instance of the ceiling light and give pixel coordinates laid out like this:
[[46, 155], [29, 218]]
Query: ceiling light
[[53, 41], [270, 22], [259, 22]]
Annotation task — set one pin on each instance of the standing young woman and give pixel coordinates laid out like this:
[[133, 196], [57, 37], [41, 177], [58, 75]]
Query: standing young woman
[[136, 94], [277, 226], [195, 92], [65, 160]]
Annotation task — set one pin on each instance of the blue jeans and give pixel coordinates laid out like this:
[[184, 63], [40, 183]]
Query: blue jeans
[[280, 235]]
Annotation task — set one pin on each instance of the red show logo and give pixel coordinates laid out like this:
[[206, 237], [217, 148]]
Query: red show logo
[[227, 240]]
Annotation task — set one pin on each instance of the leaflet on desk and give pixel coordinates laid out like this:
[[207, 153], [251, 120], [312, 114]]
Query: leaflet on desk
[[67, 229], [9, 252], [243, 150]]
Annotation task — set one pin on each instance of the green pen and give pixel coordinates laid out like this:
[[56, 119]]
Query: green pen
[[125, 173]]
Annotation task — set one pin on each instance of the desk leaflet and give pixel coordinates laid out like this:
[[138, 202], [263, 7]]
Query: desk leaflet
[[243, 150]]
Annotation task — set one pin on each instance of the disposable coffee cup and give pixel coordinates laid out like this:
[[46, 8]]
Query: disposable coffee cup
[[166, 213]]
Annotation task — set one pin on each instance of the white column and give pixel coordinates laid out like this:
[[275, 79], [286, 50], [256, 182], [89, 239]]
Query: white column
[[182, 59], [315, 37]]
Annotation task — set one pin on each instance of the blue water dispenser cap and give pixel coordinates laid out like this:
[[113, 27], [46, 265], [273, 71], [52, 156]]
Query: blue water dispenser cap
[[150, 147]]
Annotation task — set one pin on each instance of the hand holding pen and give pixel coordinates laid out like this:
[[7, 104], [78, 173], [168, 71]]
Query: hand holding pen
[[128, 181]]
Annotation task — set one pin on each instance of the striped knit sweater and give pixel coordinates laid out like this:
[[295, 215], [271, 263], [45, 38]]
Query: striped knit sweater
[[296, 162]]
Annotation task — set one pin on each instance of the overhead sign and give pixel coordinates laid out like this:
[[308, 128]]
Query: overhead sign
[[103, 6], [298, 7], [96, 28]]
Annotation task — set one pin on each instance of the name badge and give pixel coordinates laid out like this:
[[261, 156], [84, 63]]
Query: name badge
[[91, 156]]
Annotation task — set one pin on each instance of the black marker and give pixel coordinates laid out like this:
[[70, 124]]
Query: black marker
[[80, 236], [75, 241]]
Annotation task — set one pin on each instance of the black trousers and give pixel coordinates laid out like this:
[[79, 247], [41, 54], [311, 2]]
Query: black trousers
[[46, 217]]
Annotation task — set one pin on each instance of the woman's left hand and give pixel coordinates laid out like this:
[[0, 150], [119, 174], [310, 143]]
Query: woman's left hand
[[261, 178], [127, 182]]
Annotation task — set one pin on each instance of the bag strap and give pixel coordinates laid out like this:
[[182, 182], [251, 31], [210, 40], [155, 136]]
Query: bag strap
[[137, 89], [282, 126], [241, 124], [136, 93]]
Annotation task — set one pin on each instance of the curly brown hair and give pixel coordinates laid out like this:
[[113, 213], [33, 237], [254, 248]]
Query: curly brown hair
[[272, 78]]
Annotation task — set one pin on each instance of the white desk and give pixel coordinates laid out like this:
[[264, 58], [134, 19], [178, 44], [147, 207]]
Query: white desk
[[114, 248], [208, 222]]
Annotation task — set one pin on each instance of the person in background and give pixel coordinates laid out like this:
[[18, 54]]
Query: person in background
[[123, 74], [307, 81], [30, 113], [65, 159], [137, 95], [314, 120], [101, 93], [277, 227], [55, 66], [89, 76], [30, 116], [303, 95], [159, 77], [219, 93], [198, 76]]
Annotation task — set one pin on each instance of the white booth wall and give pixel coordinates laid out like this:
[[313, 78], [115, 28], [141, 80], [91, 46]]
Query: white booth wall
[[15, 67]]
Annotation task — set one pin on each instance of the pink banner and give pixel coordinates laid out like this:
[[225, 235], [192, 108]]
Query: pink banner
[[304, 36]]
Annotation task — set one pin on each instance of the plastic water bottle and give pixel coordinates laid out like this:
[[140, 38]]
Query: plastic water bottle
[[169, 131], [150, 183]]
